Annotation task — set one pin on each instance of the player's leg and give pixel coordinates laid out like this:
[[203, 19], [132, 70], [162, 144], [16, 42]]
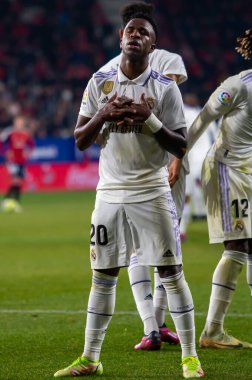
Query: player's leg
[[110, 234], [181, 307], [160, 298], [13, 193], [16, 173], [186, 217], [224, 283], [227, 194], [140, 282], [186, 212], [157, 243], [160, 306]]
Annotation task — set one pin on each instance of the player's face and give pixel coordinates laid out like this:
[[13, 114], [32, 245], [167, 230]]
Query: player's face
[[19, 123], [137, 38]]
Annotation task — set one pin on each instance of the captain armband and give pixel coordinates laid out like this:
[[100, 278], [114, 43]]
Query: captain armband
[[153, 123]]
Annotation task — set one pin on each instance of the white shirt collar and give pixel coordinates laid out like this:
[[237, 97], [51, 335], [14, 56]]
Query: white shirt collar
[[141, 80]]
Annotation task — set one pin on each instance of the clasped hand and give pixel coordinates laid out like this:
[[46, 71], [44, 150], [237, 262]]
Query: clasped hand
[[125, 111]]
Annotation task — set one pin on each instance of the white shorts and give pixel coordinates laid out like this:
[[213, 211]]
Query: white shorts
[[150, 229], [228, 196], [178, 192]]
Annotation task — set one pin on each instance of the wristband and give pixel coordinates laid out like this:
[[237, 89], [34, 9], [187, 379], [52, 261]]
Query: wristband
[[154, 123]]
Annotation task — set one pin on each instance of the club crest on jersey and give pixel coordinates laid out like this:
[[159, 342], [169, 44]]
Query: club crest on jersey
[[239, 225], [150, 102], [107, 87], [224, 98]]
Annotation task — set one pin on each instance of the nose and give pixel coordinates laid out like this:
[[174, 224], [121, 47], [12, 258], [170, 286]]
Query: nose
[[135, 33]]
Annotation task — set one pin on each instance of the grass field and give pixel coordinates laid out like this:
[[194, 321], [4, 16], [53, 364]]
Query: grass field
[[45, 279]]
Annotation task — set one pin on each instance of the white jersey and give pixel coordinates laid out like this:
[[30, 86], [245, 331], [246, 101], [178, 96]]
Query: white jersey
[[160, 60], [132, 164], [232, 102]]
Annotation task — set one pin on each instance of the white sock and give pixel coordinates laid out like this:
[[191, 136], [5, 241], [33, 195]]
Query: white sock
[[101, 305], [182, 311], [223, 286], [159, 299], [186, 217], [249, 272], [140, 282]]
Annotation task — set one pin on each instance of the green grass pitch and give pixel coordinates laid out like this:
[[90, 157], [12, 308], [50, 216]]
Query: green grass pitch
[[45, 279]]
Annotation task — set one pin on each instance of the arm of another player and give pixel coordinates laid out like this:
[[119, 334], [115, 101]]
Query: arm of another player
[[174, 170]]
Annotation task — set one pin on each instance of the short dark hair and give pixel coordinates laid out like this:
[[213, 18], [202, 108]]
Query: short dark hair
[[245, 44], [139, 10]]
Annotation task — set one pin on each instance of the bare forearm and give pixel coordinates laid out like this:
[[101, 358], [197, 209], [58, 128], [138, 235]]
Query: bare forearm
[[172, 142], [86, 134]]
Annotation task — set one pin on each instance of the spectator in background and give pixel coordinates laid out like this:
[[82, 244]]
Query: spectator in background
[[35, 72], [17, 146]]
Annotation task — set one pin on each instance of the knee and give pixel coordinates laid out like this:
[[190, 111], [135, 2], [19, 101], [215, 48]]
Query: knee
[[169, 270], [241, 245], [109, 272]]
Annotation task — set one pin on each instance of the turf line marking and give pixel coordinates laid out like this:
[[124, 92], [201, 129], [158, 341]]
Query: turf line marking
[[126, 312]]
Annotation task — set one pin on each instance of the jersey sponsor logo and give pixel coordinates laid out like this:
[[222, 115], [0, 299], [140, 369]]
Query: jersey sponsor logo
[[134, 128], [224, 98], [107, 87]]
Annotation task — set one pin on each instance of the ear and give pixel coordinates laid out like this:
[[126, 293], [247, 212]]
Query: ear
[[120, 32], [152, 48]]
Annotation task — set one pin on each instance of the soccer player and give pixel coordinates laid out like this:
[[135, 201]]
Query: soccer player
[[227, 185], [134, 210], [18, 144], [153, 315]]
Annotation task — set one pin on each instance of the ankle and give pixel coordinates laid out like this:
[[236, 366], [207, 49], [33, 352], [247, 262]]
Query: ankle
[[212, 329]]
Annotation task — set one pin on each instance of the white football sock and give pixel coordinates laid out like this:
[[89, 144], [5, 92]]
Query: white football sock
[[101, 305], [182, 311], [223, 286], [249, 272], [159, 299], [140, 282]]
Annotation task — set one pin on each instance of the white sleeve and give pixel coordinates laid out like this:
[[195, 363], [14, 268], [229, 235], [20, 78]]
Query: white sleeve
[[167, 63], [199, 125], [229, 95], [112, 64], [172, 109], [89, 104]]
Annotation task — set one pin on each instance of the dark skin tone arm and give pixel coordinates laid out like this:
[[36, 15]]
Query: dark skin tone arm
[[173, 142], [87, 130]]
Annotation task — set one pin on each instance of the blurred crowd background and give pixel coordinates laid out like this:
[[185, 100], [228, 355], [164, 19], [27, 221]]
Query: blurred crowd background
[[50, 48]]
